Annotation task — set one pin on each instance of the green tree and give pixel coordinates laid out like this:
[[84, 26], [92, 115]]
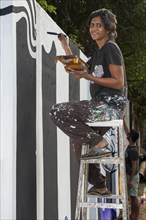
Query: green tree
[[47, 6]]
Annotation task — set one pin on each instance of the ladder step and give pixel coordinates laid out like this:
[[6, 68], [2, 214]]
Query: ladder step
[[101, 205], [114, 123], [107, 197], [109, 160]]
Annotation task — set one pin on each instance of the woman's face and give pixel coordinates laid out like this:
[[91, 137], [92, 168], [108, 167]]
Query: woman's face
[[97, 30]]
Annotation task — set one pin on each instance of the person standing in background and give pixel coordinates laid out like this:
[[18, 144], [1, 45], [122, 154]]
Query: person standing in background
[[132, 170]]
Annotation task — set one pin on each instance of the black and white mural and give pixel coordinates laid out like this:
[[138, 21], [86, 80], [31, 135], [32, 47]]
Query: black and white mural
[[38, 169]]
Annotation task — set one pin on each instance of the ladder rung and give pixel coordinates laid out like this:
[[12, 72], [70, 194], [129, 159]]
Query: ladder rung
[[101, 205], [109, 160], [114, 123], [107, 197]]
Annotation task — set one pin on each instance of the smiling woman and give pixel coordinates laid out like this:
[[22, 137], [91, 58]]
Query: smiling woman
[[105, 73], [97, 31], [106, 20]]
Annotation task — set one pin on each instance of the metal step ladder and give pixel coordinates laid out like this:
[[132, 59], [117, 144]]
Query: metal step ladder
[[119, 200]]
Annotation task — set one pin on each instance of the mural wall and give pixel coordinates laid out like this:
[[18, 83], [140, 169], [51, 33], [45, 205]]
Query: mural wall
[[38, 168]]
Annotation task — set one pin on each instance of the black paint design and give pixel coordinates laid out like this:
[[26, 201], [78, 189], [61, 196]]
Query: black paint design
[[13, 9], [49, 135], [26, 127]]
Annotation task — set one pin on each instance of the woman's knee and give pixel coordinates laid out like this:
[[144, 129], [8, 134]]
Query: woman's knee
[[58, 113], [52, 112], [55, 110]]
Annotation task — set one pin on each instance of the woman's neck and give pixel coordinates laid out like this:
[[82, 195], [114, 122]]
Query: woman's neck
[[102, 42]]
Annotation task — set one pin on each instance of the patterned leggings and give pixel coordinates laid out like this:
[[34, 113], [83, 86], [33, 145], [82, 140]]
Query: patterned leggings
[[71, 118]]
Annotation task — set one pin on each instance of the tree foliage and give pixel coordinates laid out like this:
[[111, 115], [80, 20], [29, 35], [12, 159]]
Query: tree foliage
[[47, 6], [72, 15]]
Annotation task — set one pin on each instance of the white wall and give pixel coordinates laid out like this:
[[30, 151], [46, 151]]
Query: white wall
[[8, 109]]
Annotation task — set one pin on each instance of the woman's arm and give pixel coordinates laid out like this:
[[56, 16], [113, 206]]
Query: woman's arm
[[64, 44], [125, 126], [116, 81]]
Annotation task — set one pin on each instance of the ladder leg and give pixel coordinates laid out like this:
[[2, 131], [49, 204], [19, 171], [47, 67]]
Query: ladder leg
[[85, 188], [79, 193], [82, 187], [123, 175]]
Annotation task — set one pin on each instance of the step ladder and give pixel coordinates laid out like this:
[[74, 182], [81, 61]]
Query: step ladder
[[120, 199]]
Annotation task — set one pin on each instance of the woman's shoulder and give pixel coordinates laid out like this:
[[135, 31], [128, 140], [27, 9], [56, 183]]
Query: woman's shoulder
[[111, 45], [112, 48]]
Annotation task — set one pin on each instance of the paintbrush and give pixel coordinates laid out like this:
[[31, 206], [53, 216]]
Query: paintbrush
[[54, 33]]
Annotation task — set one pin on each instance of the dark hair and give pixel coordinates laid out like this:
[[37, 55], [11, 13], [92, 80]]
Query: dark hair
[[108, 19], [133, 135]]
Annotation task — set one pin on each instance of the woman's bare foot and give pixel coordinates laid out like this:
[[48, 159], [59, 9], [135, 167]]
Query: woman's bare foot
[[99, 192], [103, 143]]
